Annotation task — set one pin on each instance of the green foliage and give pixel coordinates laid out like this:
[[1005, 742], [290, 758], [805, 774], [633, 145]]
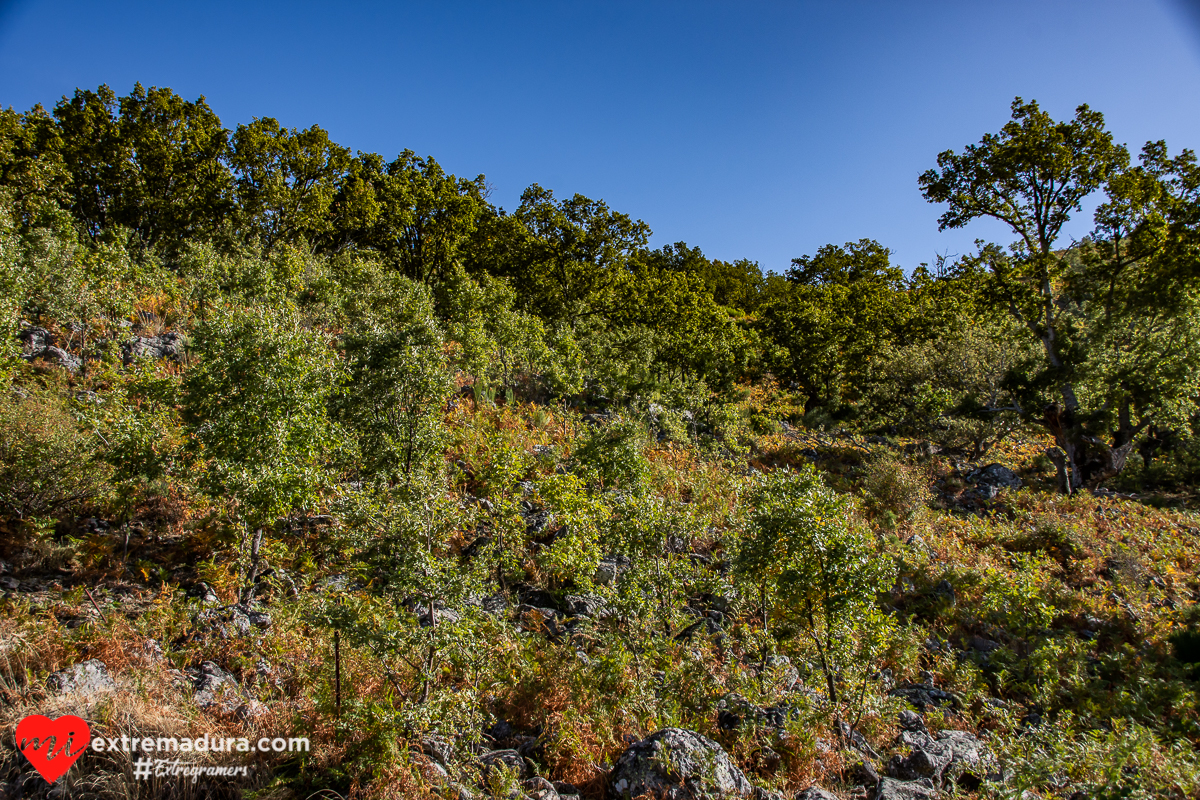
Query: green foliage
[[573, 255], [957, 388], [47, 463], [1106, 311], [286, 180], [139, 427], [502, 346], [578, 516], [1121, 760], [1017, 600], [813, 567], [842, 306], [255, 407], [611, 455], [13, 288], [896, 491], [396, 385]]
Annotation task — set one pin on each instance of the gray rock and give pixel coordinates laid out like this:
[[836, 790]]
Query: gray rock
[[10, 584], [911, 721], [890, 789], [536, 522], [948, 754], [509, 760], [610, 569], [995, 475], [815, 793], [924, 695], [167, 345], [928, 760], [88, 677], [675, 764], [35, 340], [214, 685], [240, 621], [439, 748], [981, 645], [987, 492], [586, 605], [540, 789], [57, 355], [968, 756]]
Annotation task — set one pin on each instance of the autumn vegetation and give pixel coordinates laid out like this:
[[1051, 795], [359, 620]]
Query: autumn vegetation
[[426, 477]]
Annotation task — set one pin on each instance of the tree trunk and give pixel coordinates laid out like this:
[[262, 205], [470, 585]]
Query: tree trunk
[[1084, 459], [252, 574]]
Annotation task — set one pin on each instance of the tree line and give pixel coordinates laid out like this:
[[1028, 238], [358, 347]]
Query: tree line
[[112, 201]]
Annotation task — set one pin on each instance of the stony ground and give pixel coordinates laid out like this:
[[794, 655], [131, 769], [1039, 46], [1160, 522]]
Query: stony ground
[[1033, 656]]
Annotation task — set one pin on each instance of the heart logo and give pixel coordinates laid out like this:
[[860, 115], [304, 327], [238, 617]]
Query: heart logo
[[47, 743]]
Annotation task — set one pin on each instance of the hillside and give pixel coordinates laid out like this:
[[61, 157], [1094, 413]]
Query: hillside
[[303, 447]]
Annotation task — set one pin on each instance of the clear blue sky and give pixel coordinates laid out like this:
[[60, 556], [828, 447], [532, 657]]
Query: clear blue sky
[[756, 130]]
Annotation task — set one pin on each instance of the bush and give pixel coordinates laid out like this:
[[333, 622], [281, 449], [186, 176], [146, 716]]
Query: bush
[[896, 491], [813, 567], [45, 464], [1051, 536], [613, 454]]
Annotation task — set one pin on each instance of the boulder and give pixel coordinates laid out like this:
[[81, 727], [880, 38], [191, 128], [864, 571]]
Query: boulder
[[438, 748], [911, 721], [34, 340], [815, 793], [87, 677], [968, 758], [946, 755], [928, 759], [57, 355], [676, 764], [610, 569], [996, 476], [924, 695], [586, 605], [213, 684], [167, 345], [540, 789], [509, 760], [891, 789]]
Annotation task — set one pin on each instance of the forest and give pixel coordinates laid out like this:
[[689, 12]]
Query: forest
[[296, 441]]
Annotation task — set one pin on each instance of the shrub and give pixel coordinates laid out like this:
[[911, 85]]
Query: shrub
[[613, 454], [812, 567], [896, 491], [1051, 536], [45, 464]]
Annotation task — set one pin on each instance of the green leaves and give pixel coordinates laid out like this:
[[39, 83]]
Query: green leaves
[[1103, 309], [287, 179], [397, 382], [812, 566], [1032, 175], [843, 305], [800, 541], [255, 407]]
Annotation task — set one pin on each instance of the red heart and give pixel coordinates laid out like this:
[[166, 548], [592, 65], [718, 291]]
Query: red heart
[[47, 743]]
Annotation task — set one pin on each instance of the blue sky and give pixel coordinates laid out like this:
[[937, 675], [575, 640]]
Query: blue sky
[[757, 130]]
